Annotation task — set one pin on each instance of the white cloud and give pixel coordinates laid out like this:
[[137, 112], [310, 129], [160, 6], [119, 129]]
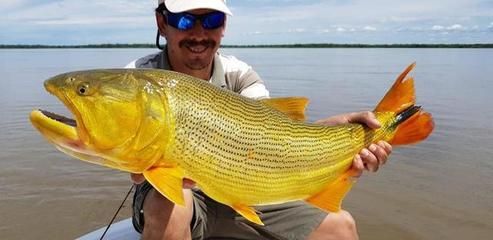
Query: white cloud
[[369, 28], [437, 28], [455, 27], [340, 29], [254, 19], [297, 30]]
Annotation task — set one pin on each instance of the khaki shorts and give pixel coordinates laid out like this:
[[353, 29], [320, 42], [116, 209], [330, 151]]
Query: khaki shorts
[[212, 220]]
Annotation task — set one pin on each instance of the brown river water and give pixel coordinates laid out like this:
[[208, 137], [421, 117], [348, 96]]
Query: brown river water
[[439, 189]]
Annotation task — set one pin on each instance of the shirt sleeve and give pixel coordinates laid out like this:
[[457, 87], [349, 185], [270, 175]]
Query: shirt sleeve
[[256, 91], [149, 61], [241, 78], [131, 64]]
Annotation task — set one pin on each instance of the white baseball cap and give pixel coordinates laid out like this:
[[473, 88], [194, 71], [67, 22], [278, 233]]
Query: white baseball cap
[[176, 6]]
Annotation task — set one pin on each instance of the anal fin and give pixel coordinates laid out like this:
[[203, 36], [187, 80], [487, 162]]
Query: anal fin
[[168, 181], [248, 213], [330, 199]]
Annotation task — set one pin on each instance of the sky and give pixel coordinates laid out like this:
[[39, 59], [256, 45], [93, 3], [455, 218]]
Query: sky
[[74, 22]]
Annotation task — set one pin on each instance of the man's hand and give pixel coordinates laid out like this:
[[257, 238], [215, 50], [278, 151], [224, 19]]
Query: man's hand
[[370, 158], [139, 178]]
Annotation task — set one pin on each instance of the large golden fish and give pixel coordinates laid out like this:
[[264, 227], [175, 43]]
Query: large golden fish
[[240, 152]]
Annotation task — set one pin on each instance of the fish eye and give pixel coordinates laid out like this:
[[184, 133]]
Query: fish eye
[[83, 89]]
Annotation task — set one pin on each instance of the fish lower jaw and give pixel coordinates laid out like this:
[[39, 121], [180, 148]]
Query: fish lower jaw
[[55, 128]]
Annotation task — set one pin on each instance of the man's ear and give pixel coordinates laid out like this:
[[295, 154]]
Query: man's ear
[[161, 24], [224, 27]]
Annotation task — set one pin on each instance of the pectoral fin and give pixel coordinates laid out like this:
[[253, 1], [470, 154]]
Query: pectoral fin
[[330, 199], [168, 181], [248, 213]]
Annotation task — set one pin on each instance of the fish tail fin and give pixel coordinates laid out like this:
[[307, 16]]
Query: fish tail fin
[[401, 95], [412, 123]]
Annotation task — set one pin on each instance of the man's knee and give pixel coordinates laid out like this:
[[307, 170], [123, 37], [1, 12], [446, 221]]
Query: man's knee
[[165, 220], [339, 225], [346, 221]]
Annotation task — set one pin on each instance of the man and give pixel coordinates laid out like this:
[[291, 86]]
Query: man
[[193, 30]]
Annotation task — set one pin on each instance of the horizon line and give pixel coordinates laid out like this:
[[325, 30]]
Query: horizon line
[[289, 45]]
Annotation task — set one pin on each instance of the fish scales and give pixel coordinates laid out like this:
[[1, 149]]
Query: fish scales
[[250, 145]]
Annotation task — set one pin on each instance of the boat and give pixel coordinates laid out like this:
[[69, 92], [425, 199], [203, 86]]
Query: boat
[[122, 230]]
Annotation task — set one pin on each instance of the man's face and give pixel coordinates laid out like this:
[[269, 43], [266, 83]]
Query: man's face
[[193, 49]]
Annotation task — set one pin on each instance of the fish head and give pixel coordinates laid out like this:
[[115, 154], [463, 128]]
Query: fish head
[[118, 118]]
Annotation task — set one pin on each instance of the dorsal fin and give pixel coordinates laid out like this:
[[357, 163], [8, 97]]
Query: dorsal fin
[[293, 107]]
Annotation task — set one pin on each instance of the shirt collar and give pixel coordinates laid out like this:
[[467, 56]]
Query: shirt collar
[[218, 77]]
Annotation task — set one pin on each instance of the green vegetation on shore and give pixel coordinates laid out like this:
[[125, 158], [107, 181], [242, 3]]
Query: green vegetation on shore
[[309, 45]]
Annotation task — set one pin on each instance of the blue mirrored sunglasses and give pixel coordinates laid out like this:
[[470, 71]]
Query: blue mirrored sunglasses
[[185, 21]]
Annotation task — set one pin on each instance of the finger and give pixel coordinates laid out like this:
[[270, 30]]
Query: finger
[[137, 178], [379, 152], [188, 183], [358, 163], [367, 118], [387, 146], [357, 166], [369, 160]]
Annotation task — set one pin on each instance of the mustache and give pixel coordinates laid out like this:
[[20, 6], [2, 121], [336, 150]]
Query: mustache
[[193, 43]]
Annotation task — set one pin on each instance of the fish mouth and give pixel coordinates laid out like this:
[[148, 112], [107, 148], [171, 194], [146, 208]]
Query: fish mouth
[[59, 130], [62, 132], [59, 118]]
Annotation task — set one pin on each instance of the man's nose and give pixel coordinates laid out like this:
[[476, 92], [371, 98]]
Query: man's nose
[[198, 29]]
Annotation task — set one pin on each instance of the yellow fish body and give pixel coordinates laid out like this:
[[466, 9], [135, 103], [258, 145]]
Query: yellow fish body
[[240, 152]]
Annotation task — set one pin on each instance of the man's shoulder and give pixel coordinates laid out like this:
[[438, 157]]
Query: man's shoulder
[[232, 64], [241, 78], [149, 61]]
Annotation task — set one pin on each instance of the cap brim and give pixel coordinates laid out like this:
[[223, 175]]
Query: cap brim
[[176, 6]]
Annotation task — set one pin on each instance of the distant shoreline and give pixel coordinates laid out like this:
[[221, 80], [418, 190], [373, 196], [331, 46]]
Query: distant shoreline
[[311, 45]]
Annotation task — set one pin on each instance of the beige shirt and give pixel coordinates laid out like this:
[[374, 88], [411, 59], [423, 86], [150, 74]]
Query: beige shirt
[[228, 72]]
